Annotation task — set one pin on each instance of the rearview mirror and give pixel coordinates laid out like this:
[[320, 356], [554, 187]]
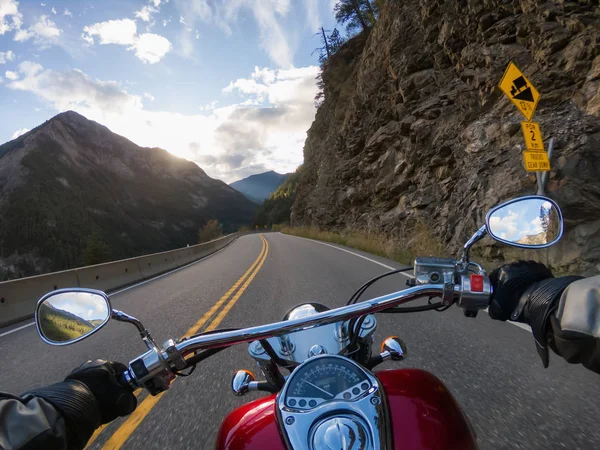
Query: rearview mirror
[[527, 222], [66, 316]]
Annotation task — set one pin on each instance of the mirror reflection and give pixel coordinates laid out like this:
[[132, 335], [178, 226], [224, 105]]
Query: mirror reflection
[[531, 222], [68, 316]]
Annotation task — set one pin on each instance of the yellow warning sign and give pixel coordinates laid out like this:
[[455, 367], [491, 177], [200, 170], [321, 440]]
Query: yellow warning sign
[[536, 161], [533, 136], [520, 91]]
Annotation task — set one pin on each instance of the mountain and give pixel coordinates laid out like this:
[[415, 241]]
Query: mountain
[[277, 208], [414, 135], [258, 187], [71, 181]]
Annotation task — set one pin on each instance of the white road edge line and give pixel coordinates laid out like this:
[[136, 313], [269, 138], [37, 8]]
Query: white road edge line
[[355, 254], [17, 329], [135, 285], [516, 324]]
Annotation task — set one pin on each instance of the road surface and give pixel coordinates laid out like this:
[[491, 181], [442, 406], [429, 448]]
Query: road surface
[[492, 368]]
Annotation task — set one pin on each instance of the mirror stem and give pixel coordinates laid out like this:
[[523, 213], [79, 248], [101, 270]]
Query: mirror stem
[[123, 317], [476, 237]]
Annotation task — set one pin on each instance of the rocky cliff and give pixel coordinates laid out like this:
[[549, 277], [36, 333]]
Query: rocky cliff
[[413, 130]]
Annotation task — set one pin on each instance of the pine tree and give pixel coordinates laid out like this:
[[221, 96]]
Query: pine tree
[[357, 15], [212, 230], [96, 250]]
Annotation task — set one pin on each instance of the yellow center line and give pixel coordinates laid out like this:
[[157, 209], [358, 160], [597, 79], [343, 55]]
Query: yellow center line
[[119, 437], [196, 327], [215, 323]]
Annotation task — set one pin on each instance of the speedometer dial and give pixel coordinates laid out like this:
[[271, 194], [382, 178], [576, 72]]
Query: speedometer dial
[[325, 379]]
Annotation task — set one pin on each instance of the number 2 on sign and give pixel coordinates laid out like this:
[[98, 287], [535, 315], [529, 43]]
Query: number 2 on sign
[[532, 135]]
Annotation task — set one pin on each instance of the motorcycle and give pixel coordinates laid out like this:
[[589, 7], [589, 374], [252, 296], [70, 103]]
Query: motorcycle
[[317, 363]]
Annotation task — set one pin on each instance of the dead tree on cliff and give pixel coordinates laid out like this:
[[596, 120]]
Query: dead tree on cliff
[[324, 50], [355, 14], [331, 42]]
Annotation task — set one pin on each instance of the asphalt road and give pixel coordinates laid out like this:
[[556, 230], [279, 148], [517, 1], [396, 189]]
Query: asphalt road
[[492, 368]]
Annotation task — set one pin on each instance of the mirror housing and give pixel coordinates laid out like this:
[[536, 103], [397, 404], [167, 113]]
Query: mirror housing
[[527, 222], [66, 316]]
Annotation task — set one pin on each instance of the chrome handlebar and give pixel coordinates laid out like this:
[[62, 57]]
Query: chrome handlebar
[[333, 315], [155, 369]]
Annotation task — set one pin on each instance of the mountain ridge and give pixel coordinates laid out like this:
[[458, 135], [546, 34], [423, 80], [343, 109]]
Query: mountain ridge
[[71, 177], [260, 186]]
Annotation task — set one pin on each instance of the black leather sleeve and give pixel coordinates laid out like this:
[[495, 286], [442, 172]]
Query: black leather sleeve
[[61, 416]]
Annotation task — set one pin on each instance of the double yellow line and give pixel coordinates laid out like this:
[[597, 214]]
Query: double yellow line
[[128, 427]]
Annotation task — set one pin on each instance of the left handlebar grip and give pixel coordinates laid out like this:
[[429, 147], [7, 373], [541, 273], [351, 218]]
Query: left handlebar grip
[[127, 380]]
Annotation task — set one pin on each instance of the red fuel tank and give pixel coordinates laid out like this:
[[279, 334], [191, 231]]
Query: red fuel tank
[[424, 416]]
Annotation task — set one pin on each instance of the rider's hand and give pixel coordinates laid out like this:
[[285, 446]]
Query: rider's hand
[[102, 379], [527, 292], [510, 281]]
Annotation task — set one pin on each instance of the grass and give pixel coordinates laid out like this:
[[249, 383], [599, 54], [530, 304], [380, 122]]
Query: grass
[[421, 241]]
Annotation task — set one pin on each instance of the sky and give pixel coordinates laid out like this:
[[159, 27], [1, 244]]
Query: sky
[[82, 304], [228, 84], [518, 220]]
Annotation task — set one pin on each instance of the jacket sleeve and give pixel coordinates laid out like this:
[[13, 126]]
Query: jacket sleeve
[[30, 424], [62, 416], [574, 331]]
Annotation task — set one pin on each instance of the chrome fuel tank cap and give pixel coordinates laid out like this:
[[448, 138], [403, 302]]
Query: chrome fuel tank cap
[[340, 433]]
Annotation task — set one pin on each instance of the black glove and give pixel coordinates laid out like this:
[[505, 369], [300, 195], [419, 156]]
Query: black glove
[[510, 282], [527, 292], [102, 379]]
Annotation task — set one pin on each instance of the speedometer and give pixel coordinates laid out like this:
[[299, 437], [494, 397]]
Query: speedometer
[[325, 379]]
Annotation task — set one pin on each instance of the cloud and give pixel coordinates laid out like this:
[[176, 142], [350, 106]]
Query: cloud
[[119, 32], [151, 48], [9, 8], [29, 68], [19, 132], [6, 56], [515, 222], [44, 32], [209, 106], [267, 15], [10, 75], [53, 10], [148, 47], [73, 88], [312, 14], [149, 96], [68, 13], [230, 142], [145, 13]]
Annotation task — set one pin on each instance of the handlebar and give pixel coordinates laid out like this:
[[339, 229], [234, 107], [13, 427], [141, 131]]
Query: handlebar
[[333, 315], [154, 369]]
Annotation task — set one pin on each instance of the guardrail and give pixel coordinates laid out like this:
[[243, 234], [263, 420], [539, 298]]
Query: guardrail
[[19, 297]]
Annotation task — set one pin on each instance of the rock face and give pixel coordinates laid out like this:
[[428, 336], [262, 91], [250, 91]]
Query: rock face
[[70, 178], [414, 130]]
